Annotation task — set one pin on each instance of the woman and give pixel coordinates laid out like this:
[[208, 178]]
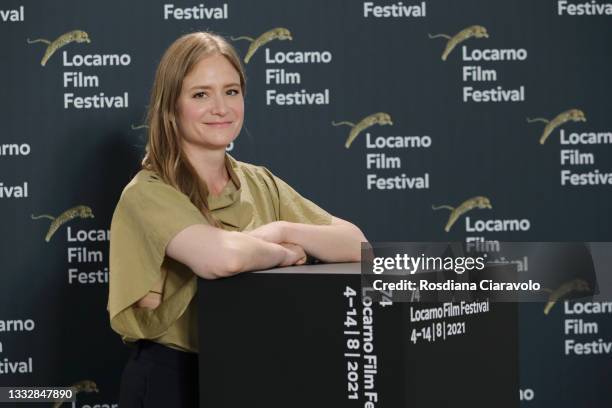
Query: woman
[[195, 211]]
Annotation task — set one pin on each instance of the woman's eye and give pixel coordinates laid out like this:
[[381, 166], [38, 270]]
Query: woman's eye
[[233, 92], [199, 95]]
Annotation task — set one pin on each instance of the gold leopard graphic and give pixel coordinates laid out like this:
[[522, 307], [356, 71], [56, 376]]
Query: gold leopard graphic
[[78, 36], [80, 387], [278, 33], [467, 205], [80, 211], [574, 115], [575, 285], [475, 31], [379, 118]]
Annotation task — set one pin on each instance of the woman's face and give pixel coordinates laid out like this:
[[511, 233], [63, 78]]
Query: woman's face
[[211, 105]]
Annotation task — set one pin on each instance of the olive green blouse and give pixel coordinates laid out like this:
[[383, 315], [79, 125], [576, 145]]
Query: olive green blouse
[[150, 213]]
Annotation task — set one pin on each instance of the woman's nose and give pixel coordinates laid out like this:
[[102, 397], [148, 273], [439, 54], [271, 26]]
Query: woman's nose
[[219, 105]]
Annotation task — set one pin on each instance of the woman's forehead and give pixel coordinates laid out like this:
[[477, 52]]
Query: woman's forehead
[[212, 70]]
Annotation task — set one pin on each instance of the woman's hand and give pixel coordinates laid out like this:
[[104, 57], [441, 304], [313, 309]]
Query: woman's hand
[[295, 254], [274, 232], [339, 241]]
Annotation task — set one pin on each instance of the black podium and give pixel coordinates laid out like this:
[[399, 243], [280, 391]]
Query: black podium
[[310, 336]]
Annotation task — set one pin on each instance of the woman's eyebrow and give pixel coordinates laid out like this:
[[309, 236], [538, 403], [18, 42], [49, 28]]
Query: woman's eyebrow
[[231, 84], [199, 87]]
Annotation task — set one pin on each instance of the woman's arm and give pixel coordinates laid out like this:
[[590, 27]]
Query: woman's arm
[[338, 242], [214, 253]]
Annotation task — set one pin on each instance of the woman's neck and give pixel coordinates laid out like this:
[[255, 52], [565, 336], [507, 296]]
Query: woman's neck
[[210, 167]]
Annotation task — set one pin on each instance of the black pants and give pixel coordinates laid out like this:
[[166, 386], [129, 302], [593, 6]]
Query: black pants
[[158, 376]]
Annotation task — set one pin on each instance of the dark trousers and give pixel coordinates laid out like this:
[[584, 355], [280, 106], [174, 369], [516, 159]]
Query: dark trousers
[[158, 376]]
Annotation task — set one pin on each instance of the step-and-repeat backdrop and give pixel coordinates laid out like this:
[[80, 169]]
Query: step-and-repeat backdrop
[[471, 120]]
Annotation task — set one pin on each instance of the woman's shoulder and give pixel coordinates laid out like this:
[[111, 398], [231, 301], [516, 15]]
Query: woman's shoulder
[[144, 179], [250, 170], [147, 184], [244, 166], [147, 197]]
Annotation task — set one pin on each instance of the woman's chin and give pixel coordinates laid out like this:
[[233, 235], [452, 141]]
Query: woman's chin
[[217, 143]]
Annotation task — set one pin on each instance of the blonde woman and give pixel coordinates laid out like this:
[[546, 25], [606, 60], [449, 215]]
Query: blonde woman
[[192, 211]]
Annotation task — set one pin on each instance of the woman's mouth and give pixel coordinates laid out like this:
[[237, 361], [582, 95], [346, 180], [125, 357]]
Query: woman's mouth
[[218, 124]]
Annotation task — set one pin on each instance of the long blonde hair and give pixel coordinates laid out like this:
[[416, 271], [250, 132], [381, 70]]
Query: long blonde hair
[[164, 154]]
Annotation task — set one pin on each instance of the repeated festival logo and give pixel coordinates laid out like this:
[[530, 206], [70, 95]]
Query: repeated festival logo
[[572, 115], [379, 118], [80, 211], [475, 31], [83, 386], [278, 33], [575, 285], [78, 36], [468, 205]]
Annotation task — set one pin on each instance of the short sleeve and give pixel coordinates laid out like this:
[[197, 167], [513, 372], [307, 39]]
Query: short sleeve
[[293, 207], [149, 214]]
